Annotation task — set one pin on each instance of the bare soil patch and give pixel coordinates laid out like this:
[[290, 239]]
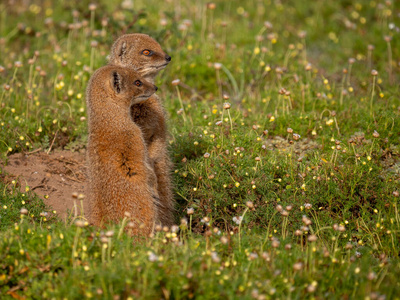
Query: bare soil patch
[[53, 177]]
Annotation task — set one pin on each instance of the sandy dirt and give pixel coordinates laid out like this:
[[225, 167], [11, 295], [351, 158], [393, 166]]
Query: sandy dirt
[[54, 177]]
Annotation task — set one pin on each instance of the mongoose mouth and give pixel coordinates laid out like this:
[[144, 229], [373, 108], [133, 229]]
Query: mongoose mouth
[[143, 97], [161, 66]]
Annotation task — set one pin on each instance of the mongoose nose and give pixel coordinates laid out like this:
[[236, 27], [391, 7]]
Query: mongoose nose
[[156, 88], [167, 57]]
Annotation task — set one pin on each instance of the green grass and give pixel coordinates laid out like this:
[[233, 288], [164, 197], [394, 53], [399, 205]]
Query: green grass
[[307, 72], [12, 201]]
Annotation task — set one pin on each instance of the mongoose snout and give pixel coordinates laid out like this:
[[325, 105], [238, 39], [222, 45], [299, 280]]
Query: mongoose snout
[[167, 57], [147, 89]]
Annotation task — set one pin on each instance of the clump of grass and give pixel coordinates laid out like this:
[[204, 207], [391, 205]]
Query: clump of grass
[[237, 262], [16, 204]]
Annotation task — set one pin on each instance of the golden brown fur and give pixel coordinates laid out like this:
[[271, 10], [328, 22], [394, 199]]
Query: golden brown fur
[[120, 177], [127, 51]]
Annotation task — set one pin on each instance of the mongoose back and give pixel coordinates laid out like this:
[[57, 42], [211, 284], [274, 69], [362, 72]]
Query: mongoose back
[[143, 54], [120, 177]]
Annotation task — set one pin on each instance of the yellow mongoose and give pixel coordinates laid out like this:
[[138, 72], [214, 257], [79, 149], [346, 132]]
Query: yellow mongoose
[[120, 176], [143, 54]]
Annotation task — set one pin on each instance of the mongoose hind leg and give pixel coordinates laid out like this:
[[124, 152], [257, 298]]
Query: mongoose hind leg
[[95, 215], [166, 209], [162, 169], [129, 169]]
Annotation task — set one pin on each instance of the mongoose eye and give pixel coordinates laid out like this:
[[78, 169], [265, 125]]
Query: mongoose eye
[[138, 83], [147, 52]]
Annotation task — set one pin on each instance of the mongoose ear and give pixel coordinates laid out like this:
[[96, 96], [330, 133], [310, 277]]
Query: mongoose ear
[[121, 50], [117, 82]]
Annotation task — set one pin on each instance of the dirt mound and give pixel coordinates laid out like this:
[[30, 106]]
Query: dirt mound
[[54, 177]]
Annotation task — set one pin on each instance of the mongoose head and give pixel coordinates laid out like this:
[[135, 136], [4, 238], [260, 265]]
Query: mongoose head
[[122, 85], [139, 52]]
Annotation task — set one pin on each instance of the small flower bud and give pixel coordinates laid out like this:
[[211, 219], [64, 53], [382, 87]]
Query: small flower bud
[[275, 243], [92, 7], [224, 240], [250, 204], [175, 82], [302, 34], [348, 246], [227, 105], [298, 232], [298, 266], [211, 5], [174, 228], [311, 288], [284, 213], [217, 66], [312, 238], [371, 276], [79, 223], [387, 38], [306, 220]]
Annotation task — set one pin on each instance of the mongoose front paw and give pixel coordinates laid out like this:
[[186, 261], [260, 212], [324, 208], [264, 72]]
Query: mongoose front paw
[[126, 168], [128, 171]]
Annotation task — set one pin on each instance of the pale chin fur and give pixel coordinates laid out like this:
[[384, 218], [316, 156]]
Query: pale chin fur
[[147, 71], [160, 67], [151, 70], [141, 98]]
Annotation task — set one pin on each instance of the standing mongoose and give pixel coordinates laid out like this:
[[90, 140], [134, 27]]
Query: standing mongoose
[[120, 176], [143, 54]]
